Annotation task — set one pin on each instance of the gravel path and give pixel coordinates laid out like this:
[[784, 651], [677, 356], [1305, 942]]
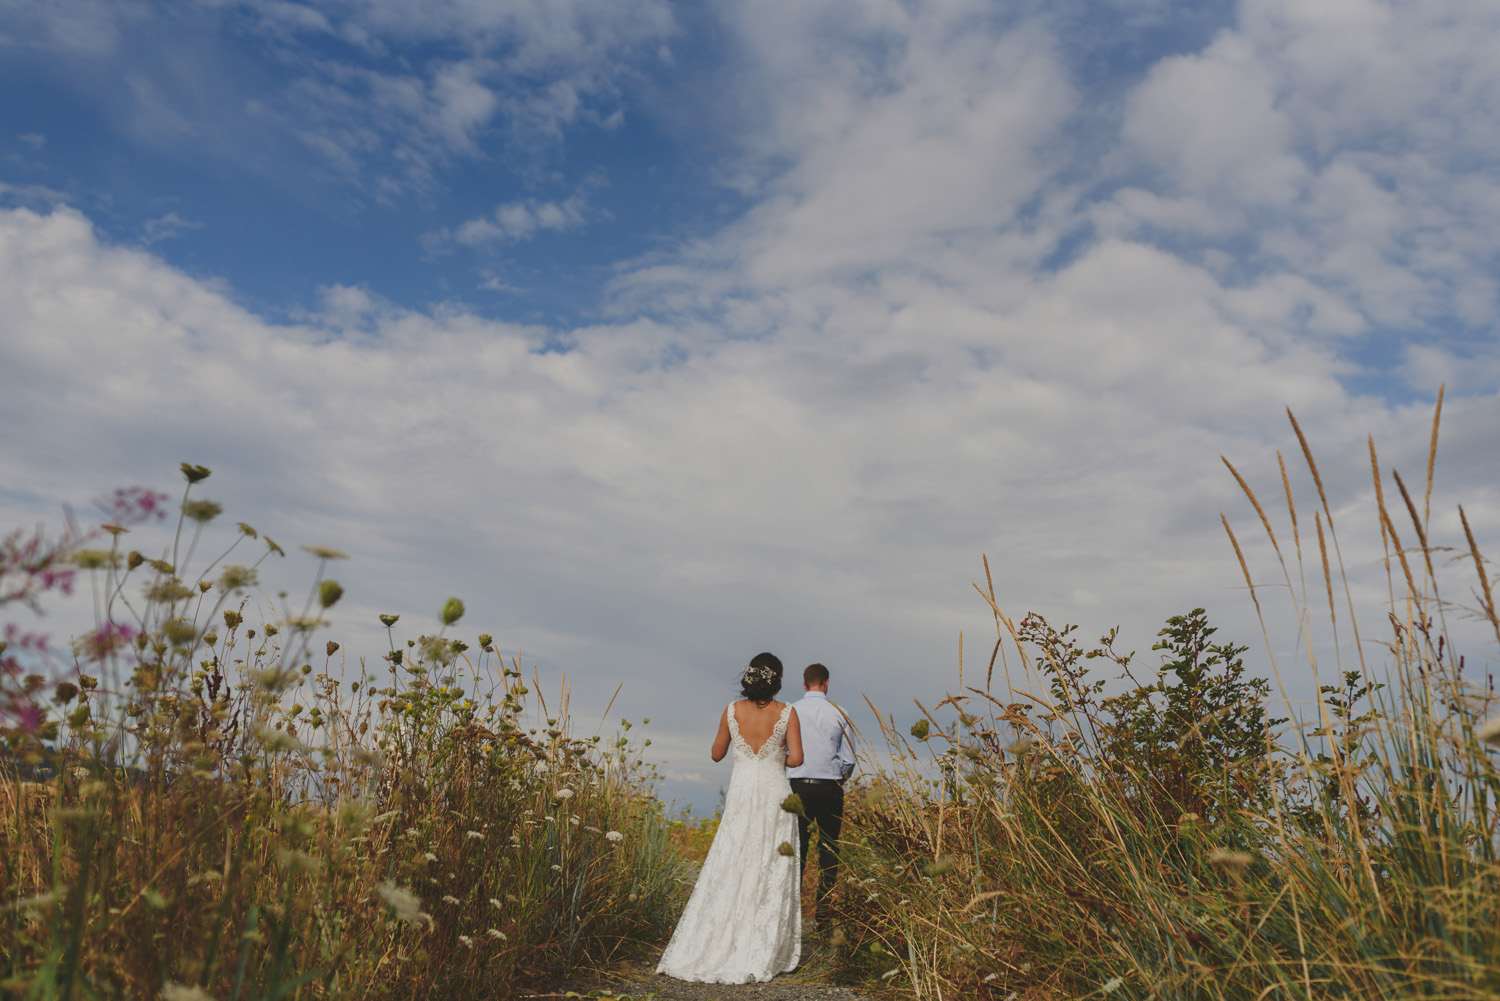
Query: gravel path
[[638, 983]]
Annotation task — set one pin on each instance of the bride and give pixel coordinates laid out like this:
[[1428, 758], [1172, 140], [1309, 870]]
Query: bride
[[743, 922]]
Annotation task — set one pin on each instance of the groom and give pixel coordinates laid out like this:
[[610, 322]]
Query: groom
[[827, 760]]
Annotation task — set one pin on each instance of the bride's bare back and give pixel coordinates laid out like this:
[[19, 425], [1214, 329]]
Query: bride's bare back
[[755, 723]]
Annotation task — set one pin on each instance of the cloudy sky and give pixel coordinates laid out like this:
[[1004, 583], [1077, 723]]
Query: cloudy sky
[[665, 333]]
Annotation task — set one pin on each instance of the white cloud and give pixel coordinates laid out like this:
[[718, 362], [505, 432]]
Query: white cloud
[[653, 507], [514, 221]]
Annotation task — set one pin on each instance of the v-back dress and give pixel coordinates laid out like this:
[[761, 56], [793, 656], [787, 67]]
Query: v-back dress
[[743, 922]]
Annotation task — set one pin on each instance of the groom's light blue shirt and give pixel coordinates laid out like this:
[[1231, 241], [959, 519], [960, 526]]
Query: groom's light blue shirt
[[826, 748]]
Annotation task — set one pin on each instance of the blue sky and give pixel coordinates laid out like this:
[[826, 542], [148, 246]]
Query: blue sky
[[666, 333]]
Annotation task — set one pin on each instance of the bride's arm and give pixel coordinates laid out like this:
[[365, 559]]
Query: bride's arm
[[793, 740], [721, 742]]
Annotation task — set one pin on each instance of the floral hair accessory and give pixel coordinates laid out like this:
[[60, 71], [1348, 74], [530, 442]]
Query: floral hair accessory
[[758, 673]]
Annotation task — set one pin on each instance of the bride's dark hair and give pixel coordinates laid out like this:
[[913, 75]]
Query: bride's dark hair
[[762, 679]]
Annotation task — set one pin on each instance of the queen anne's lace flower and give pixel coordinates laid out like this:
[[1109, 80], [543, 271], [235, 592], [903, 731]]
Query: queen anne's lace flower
[[614, 836]]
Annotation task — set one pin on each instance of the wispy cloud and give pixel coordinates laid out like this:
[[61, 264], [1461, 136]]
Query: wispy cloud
[[166, 227]]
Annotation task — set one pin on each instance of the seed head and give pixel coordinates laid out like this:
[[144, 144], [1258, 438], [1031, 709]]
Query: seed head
[[202, 511], [793, 804], [194, 473], [938, 866], [920, 729], [329, 592], [1231, 859], [453, 610], [786, 849]]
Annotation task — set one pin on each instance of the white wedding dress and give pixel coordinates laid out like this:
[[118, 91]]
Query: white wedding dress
[[743, 922]]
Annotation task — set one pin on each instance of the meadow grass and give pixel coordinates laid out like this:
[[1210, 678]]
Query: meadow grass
[[221, 812], [1173, 841], [229, 815]]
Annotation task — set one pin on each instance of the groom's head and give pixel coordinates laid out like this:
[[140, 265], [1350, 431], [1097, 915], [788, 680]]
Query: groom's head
[[815, 678]]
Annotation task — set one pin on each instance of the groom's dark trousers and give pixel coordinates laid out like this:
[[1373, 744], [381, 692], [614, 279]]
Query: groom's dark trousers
[[823, 801]]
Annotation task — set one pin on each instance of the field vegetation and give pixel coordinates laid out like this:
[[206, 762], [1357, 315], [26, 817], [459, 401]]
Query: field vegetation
[[1174, 840], [196, 806], [201, 807]]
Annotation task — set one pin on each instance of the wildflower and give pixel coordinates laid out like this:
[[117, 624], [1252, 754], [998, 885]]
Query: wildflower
[[474, 834], [615, 836], [202, 511], [430, 857], [324, 553], [496, 933], [938, 866], [183, 992], [279, 740], [404, 904], [237, 578], [592, 829], [987, 979], [1113, 985], [466, 940], [329, 592], [565, 793], [453, 610], [495, 902], [1022, 747], [449, 898], [1230, 859]]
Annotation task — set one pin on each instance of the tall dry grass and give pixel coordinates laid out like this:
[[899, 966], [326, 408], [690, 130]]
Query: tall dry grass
[[203, 807], [1051, 840]]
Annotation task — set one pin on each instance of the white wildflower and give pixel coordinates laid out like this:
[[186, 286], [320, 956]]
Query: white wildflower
[[496, 933], [1112, 986], [565, 793], [407, 906], [557, 868], [614, 836], [449, 898], [592, 829], [466, 940], [495, 902], [183, 992], [473, 834], [430, 857]]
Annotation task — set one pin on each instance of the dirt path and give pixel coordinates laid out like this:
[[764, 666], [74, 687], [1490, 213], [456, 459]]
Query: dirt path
[[637, 982]]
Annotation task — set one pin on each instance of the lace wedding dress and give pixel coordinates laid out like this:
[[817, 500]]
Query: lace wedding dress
[[743, 922]]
